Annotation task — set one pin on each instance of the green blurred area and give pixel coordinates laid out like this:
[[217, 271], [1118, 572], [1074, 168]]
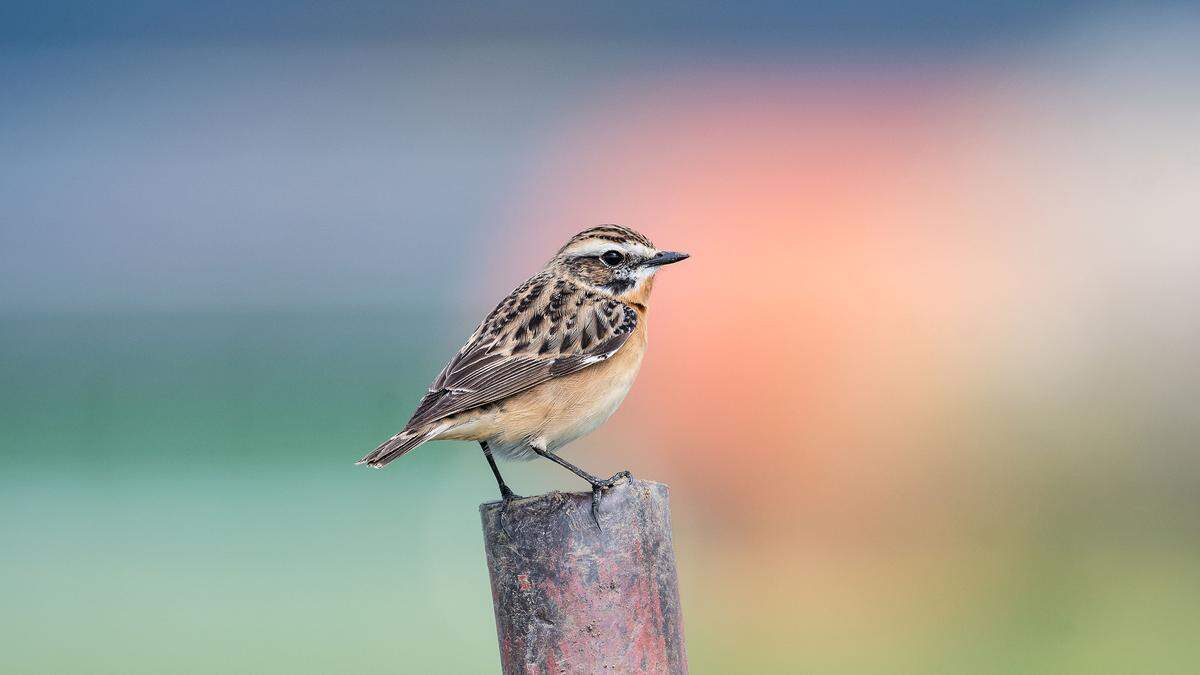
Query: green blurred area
[[178, 494]]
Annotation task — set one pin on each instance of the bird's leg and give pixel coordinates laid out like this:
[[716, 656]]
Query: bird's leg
[[598, 484], [505, 493]]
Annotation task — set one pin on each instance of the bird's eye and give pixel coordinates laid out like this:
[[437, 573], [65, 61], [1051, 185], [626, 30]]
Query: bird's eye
[[612, 258]]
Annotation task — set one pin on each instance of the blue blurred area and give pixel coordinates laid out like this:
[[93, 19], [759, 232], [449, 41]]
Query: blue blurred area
[[218, 176], [926, 22], [245, 154]]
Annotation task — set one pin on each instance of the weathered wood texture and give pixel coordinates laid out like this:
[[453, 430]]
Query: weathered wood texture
[[570, 598]]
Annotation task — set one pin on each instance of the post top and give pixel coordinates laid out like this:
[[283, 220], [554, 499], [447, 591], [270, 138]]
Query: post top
[[623, 486]]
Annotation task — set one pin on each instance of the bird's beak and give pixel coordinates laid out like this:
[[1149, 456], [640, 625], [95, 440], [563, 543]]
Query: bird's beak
[[664, 258]]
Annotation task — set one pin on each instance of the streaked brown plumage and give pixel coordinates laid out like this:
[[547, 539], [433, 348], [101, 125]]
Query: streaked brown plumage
[[551, 362]]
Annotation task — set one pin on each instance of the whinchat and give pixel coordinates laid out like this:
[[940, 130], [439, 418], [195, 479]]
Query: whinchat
[[550, 363]]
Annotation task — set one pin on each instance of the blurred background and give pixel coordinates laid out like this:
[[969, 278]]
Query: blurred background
[[925, 394]]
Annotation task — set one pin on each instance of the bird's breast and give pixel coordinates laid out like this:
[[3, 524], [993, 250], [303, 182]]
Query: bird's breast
[[566, 408], [592, 398]]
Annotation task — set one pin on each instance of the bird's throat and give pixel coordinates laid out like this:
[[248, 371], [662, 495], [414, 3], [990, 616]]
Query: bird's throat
[[637, 296]]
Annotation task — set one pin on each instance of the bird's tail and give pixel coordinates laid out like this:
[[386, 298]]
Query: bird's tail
[[397, 445]]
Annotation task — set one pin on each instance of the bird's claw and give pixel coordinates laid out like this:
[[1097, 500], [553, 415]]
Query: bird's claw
[[508, 497], [598, 488], [618, 476]]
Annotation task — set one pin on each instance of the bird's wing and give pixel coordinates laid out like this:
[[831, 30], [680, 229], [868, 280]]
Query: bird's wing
[[546, 328]]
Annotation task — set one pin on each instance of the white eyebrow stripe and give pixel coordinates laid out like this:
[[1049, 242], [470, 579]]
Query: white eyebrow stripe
[[598, 246]]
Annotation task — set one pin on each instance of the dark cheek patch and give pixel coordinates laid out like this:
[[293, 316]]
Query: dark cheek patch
[[597, 273], [619, 286]]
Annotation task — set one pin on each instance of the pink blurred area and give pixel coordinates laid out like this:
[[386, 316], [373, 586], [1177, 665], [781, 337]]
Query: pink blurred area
[[926, 355], [884, 267], [835, 273]]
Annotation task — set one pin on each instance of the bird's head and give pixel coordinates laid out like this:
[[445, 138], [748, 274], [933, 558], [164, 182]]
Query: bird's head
[[613, 260]]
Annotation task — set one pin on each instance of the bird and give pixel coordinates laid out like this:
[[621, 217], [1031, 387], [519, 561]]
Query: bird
[[550, 363]]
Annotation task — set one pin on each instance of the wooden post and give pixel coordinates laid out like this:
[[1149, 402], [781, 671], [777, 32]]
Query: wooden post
[[571, 598]]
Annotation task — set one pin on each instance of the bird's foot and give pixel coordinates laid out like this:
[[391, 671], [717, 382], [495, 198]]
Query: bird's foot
[[598, 488], [508, 497]]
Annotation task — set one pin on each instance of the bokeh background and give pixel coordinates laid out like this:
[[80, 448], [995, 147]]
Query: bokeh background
[[926, 393]]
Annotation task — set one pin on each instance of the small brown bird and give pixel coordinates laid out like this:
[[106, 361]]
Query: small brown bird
[[550, 363]]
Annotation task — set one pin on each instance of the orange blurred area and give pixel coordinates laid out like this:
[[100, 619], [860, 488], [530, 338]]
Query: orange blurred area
[[892, 277], [823, 329]]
